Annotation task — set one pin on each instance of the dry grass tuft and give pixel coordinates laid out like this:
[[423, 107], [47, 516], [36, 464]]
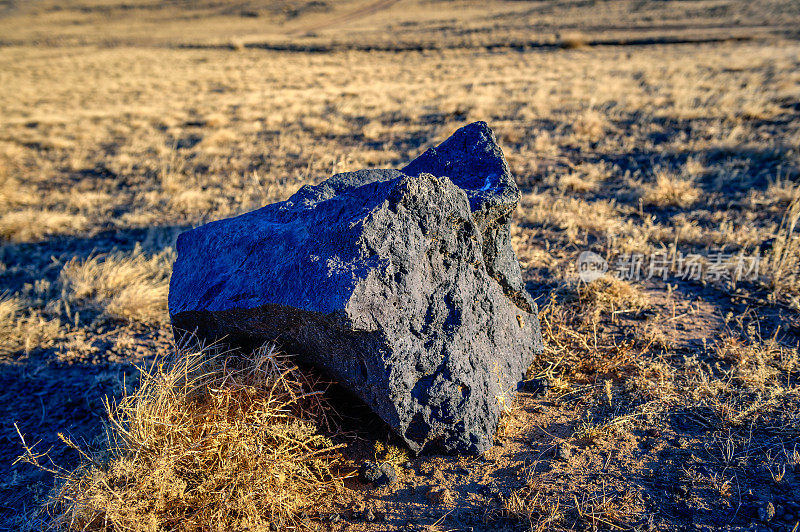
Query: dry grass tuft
[[783, 191], [208, 442], [783, 266], [32, 224], [192, 201], [20, 333], [670, 190], [590, 125], [758, 364], [12, 192], [574, 182], [610, 295], [129, 286]]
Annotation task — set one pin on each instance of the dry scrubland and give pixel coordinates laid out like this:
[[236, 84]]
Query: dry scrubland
[[672, 404]]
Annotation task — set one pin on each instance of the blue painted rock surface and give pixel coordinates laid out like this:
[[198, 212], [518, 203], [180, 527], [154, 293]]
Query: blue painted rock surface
[[400, 285]]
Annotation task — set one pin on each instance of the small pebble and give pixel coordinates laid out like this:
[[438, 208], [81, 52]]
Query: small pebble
[[563, 452], [369, 472], [378, 475]]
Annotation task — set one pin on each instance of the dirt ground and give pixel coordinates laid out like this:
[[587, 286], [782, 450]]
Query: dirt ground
[[634, 128]]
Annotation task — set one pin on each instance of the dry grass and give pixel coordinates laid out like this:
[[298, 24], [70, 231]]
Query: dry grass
[[783, 266], [610, 295], [619, 149], [743, 403], [24, 330], [211, 441], [129, 286], [670, 190], [758, 364], [32, 224]]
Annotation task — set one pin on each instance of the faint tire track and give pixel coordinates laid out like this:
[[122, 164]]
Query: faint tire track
[[355, 14]]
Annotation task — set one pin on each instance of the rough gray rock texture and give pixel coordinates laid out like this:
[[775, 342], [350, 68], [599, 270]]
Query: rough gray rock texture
[[402, 286]]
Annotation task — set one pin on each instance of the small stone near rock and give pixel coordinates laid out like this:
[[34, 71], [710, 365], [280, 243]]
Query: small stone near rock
[[369, 472], [388, 474], [563, 452], [439, 496], [766, 512], [378, 475], [536, 387]]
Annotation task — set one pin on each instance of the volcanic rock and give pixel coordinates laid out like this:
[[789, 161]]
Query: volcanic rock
[[401, 285]]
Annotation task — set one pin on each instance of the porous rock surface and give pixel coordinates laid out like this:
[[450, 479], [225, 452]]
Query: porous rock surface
[[401, 285]]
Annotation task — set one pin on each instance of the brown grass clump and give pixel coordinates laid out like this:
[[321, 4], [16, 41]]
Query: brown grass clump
[[12, 192], [590, 125], [23, 333], [32, 224], [576, 183], [208, 442], [192, 201], [758, 364], [783, 191], [783, 266], [670, 190], [128, 286], [610, 295]]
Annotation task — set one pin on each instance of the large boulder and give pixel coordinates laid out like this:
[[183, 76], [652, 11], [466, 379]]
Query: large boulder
[[401, 285]]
